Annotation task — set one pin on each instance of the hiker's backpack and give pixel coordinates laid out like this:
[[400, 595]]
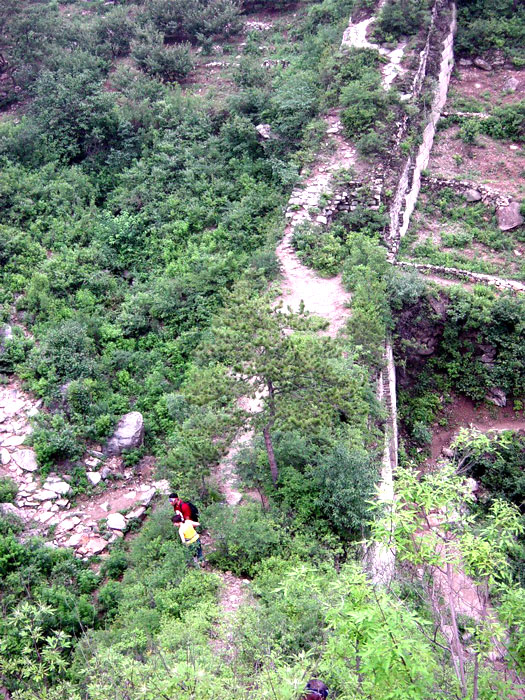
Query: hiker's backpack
[[194, 512]]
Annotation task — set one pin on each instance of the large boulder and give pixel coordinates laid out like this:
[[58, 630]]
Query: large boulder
[[26, 460], [472, 195], [509, 217], [129, 434]]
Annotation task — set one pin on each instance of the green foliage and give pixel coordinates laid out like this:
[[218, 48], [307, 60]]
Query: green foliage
[[169, 63], [484, 25], [8, 490], [54, 440], [401, 17], [201, 19], [365, 103], [348, 479], [506, 122], [242, 538]]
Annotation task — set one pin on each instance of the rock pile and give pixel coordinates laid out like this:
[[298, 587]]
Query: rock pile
[[96, 519]]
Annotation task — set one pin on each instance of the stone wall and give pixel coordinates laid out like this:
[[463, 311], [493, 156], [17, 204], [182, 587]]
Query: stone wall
[[487, 195], [410, 179], [466, 275]]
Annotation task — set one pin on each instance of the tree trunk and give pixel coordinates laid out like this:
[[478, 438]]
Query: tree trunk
[[266, 432], [271, 455]]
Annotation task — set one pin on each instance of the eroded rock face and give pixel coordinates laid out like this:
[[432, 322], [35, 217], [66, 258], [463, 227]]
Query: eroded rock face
[[509, 217], [128, 435], [497, 397]]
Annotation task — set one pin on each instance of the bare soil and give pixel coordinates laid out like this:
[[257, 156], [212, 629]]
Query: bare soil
[[462, 412], [487, 86], [490, 162]]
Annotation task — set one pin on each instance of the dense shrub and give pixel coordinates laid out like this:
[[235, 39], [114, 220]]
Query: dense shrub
[[169, 63], [242, 538], [401, 17], [8, 490], [347, 485]]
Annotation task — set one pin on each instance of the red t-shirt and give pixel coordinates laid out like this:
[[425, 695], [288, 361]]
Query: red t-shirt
[[182, 508]]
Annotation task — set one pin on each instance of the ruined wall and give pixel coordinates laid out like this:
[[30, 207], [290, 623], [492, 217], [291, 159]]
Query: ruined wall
[[410, 180], [487, 195]]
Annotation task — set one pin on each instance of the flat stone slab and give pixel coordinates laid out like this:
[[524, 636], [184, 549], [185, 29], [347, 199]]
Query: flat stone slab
[[13, 441], [5, 457], [26, 460], [44, 495], [59, 487]]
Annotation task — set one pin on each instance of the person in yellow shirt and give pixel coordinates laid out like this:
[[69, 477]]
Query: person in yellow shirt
[[189, 536]]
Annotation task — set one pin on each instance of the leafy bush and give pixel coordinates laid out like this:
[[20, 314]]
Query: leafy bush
[[169, 63], [401, 17], [242, 538], [8, 490], [114, 565], [55, 440], [347, 478], [365, 103]]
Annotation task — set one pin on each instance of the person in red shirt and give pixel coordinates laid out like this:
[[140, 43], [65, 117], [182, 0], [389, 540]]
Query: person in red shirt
[[179, 506]]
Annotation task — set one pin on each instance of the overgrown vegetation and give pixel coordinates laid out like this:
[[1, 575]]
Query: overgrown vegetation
[[137, 231]]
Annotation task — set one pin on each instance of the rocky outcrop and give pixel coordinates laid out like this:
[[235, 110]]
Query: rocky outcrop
[[509, 217], [128, 435], [96, 519]]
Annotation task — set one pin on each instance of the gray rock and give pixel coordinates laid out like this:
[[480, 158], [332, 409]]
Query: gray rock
[[74, 540], [5, 457], [481, 63], [509, 217], [7, 332], [68, 524], [511, 84], [26, 460], [11, 509], [497, 397], [447, 452], [465, 62], [44, 495], [129, 434], [163, 486], [94, 478], [138, 513], [94, 546], [116, 521], [105, 473], [265, 131], [472, 195], [148, 496]]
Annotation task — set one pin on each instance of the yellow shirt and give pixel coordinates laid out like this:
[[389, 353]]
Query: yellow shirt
[[190, 536]]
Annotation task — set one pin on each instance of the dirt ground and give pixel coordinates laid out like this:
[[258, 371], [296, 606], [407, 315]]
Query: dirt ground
[[463, 412], [500, 164], [486, 86]]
